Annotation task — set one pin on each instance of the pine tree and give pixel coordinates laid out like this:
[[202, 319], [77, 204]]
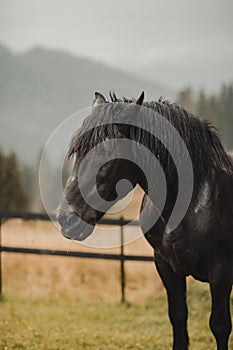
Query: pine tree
[[12, 194], [217, 108], [185, 99], [225, 111]]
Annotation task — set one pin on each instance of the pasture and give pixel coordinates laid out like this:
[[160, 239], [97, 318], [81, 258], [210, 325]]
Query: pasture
[[71, 303]]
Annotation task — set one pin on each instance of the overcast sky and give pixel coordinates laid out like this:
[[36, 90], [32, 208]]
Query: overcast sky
[[178, 40]]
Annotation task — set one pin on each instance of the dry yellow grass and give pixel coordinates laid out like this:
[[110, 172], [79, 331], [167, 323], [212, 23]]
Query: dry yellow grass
[[50, 276], [128, 207], [65, 303], [40, 276]]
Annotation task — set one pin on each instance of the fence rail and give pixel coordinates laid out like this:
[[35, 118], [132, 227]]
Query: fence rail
[[87, 255]]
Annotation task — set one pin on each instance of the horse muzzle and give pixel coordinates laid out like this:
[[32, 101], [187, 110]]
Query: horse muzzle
[[72, 227]]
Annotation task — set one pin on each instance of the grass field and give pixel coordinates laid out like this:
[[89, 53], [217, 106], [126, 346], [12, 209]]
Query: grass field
[[68, 323], [59, 303], [96, 280]]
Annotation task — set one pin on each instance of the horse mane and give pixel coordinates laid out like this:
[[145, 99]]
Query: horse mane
[[199, 135]]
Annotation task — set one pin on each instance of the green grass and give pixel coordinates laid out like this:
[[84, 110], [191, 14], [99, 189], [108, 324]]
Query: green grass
[[72, 324]]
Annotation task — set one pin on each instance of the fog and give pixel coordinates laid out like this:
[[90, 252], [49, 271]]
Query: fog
[[175, 43]]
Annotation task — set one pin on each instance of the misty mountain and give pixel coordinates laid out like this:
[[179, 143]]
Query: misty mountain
[[197, 73], [40, 88]]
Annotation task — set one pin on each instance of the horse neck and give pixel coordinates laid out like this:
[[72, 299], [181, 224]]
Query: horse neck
[[200, 181], [153, 193]]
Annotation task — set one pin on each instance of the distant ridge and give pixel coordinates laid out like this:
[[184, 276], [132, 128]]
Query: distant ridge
[[41, 87]]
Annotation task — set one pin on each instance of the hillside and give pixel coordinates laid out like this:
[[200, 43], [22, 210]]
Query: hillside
[[41, 87]]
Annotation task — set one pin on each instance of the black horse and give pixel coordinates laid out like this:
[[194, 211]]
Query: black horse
[[200, 243]]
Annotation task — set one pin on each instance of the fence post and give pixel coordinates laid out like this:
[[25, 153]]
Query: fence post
[[0, 257], [122, 261]]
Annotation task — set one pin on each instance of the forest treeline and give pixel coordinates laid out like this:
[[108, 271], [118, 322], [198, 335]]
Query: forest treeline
[[19, 183], [13, 188], [217, 108]]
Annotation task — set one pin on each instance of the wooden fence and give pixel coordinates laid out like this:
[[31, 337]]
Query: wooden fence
[[87, 255]]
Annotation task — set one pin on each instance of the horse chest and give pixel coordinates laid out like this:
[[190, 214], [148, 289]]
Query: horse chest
[[182, 254]]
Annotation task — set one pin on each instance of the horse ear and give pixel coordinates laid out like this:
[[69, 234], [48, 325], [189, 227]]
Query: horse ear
[[140, 98], [99, 99]]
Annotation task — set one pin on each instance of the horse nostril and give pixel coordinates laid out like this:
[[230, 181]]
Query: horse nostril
[[92, 220]]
